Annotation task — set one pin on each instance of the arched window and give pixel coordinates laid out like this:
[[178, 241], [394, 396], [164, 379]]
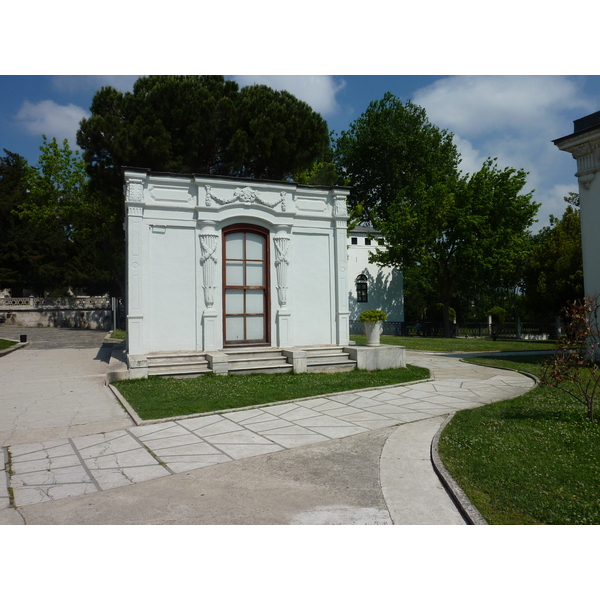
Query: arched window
[[246, 284], [362, 293]]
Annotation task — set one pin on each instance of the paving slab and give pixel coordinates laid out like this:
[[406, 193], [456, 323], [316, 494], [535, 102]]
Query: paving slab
[[414, 495], [331, 483], [57, 393]]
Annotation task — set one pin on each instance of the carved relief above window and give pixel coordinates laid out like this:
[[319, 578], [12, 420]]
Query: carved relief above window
[[244, 195]]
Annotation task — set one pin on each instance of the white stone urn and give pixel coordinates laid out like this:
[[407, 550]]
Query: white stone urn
[[372, 320], [373, 331]]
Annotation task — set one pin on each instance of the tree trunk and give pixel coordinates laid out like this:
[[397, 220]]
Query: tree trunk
[[447, 325]]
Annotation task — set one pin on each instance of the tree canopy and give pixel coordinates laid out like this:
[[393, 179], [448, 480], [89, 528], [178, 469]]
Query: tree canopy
[[401, 168], [200, 124], [458, 232], [56, 210], [554, 272], [19, 242]]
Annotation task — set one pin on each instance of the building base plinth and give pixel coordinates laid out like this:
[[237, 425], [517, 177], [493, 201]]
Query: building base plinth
[[377, 358]]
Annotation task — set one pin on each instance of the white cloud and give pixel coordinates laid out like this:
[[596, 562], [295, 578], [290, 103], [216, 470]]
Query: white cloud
[[476, 105], [318, 91], [51, 119], [513, 118], [471, 159], [553, 202]]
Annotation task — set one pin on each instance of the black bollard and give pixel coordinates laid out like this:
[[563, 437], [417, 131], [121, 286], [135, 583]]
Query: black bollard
[[23, 338]]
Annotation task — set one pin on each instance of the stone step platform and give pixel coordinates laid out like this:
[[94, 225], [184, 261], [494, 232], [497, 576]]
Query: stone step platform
[[246, 361]]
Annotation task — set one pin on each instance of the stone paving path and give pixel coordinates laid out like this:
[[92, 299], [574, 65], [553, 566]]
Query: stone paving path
[[45, 471]]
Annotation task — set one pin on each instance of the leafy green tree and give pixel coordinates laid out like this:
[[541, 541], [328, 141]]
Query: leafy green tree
[[554, 271], [33, 254], [17, 239], [398, 164], [60, 204], [460, 231], [322, 171]]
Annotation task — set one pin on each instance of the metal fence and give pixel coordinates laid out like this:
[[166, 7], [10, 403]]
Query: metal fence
[[515, 330], [389, 328]]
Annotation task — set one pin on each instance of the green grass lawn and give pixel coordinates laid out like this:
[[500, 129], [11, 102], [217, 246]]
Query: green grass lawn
[[532, 459], [4, 344], [157, 397], [118, 334], [435, 344]]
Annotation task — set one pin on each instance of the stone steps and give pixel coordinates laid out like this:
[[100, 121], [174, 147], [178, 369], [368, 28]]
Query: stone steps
[[245, 361], [326, 359]]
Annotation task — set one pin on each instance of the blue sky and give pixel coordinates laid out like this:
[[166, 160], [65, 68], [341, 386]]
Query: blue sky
[[513, 118]]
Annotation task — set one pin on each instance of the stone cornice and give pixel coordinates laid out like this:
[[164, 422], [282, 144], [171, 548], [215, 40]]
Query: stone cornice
[[585, 148]]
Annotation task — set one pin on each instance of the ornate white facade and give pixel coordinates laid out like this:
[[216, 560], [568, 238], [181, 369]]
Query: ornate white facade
[[217, 262], [584, 145]]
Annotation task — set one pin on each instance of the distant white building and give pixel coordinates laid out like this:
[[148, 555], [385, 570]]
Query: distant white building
[[372, 286]]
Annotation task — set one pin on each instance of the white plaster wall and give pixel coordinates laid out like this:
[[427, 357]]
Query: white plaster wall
[[312, 286], [171, 304], [385, 284]]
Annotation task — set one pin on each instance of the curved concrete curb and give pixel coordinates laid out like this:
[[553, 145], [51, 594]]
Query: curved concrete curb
[[464, 505], [471, 515], [530, 375], [130, 410], [18, 346]]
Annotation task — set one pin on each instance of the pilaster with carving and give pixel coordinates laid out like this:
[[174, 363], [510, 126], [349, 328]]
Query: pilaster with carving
[[208, 247], [134, 202], [584, 146], [281, 244], [209, 243], [340, 216]]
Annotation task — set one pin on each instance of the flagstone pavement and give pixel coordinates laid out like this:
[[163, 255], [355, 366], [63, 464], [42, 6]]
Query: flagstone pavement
[[50, 470]]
